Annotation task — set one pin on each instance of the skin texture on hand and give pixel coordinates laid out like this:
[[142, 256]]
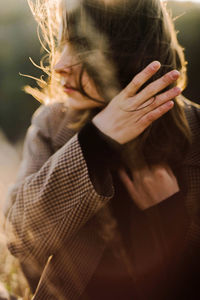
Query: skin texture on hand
[[150, 186], [130, 113]]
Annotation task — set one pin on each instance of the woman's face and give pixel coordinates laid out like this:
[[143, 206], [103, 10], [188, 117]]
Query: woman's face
[[69, 69]]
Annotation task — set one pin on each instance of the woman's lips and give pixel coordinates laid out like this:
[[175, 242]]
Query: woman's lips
[[68, 89]]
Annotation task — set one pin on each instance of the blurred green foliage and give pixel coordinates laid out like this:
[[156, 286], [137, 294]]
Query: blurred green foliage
[[18, 40]]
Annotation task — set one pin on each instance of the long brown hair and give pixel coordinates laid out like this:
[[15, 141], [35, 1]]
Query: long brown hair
[[115, 40]]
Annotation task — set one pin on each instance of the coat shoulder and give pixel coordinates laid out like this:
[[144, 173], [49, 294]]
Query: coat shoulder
[[54, 121], [192, 112]]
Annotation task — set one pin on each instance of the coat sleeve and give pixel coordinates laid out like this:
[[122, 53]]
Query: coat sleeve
[[53, 196]]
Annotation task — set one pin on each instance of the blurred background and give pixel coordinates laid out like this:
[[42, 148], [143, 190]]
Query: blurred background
[[18, 40]]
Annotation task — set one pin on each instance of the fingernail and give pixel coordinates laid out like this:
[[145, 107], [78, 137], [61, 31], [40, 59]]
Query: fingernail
[[177, 89], [175, 74], [170, 103], [156, 65]]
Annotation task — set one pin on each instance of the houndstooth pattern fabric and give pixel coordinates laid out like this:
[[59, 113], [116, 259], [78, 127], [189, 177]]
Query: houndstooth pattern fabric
[[54, 196], [53, 208]]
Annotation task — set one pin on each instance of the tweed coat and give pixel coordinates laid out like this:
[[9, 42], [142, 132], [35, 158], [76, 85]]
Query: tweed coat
[[53, 208]]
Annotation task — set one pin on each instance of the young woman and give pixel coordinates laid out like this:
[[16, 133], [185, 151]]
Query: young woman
[[106, 202]]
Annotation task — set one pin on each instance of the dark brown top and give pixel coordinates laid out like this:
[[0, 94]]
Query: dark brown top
[[153, 240]]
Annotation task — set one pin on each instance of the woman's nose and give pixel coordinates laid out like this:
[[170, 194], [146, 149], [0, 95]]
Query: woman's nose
[[61, 68]]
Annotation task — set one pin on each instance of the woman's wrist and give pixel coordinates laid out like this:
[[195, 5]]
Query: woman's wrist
[[99, 155], [100, 122]]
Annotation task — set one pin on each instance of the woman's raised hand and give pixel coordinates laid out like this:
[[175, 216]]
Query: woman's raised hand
[[131, 112]]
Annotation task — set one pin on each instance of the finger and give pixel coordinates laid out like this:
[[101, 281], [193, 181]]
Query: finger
[[160, 173], [141, 78], [139, 174], [155, 114], [155, 87], [128, 183], [159, 100], [171, 174], [169, 171], [155, 168]]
